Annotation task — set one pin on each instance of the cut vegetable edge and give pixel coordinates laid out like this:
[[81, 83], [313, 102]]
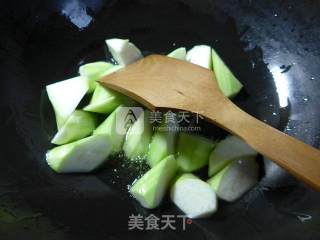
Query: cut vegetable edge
[[179, 53], [228, 83], [65, 97], [79, 125], [94, 71], [138, 138], [225, 151], [193, 151], [193, 196], [235, 179], [123, 51], [116, 131], [104, 100], [200, 55], [106, 106], [162, 144], [81, 156], [151, 188]]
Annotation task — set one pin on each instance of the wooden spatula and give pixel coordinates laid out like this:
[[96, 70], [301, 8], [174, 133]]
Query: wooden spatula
[[162, 82]]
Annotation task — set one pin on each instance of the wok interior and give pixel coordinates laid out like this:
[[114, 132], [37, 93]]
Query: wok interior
[[51, 45]]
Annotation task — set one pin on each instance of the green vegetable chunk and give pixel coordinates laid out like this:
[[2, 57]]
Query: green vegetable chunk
[[80, 124], [227, 150], [228, 83], [81, 156], [193, 152], [123, 51], [94, 71], [235, 179], [138, 137], [151, 188], [179, 53], [162, 145], [200, 55], [193, 196], [110, 128], [163, 142], [104, 100], [65, 97]]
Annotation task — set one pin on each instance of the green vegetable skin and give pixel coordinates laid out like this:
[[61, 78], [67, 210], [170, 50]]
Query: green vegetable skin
[[163, 142], [151, 188], [179, 53], [193, 196], [109, 128], [162, 145], [83, 155], [138, 137], [227, 150], [94, 71], [227, 82], [200, 55], [79, 125], [104, 100], [123, 51], [65, 97], [193, 152], [235, 179]]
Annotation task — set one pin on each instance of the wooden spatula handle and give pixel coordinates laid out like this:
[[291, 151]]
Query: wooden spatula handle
[[302, 160]]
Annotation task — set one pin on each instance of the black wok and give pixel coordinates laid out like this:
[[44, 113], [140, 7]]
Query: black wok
[[272, 46]]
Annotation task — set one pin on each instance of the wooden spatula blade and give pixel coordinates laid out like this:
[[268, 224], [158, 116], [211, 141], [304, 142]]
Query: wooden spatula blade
[[155, 83]]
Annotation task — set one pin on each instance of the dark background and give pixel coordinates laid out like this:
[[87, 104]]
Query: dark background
[[272, 46]]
